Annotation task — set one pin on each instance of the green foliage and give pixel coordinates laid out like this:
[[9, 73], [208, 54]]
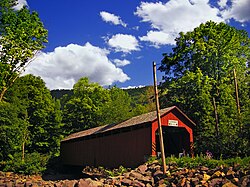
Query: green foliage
[[83, 109], [30, 126], [22, 35], [116, 172], [34, 163], [40, 112], [10, 130], [118, 108], [198, 72], [59, 93], [91, 105], [143, 98], [151, 159], [198, 161]]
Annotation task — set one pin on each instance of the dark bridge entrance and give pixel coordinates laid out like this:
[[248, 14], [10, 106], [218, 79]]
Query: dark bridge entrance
[[176, 139]]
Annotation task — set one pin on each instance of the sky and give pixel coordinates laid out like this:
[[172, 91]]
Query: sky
[[114, 42]]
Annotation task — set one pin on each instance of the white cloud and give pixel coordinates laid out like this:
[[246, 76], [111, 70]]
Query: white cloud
[[239, 10], [158, 38], [222, 3], [175, 16], [133, 87], [63, 67], [120, 63], [124, 43], [20, 4], [108, 17]]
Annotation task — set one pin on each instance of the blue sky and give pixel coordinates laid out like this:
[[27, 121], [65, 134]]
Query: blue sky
[[114, 42]]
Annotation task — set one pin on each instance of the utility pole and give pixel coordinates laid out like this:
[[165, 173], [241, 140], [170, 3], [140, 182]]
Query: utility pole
[[159, 120]]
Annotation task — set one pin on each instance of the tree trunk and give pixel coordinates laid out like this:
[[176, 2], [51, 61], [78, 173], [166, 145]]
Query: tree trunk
[[23, 148], [236, 92], [2, 93], [216, 119]]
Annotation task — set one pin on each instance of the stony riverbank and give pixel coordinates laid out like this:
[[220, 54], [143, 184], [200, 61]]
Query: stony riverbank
[[146, 175]]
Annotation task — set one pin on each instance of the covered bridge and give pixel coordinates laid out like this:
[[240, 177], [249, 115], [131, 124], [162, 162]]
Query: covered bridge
[[131, 142]]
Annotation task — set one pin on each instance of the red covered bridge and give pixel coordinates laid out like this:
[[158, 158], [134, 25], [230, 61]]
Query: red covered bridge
[[131, 142]]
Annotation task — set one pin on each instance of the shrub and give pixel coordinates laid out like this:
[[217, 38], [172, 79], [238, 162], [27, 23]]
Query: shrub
[[187, 162], [116, 172], [34, 163]]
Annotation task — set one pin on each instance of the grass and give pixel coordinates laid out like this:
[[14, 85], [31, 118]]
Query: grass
[[188, 162]]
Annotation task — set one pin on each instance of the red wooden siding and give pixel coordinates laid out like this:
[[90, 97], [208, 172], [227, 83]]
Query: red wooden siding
[[126, 148]]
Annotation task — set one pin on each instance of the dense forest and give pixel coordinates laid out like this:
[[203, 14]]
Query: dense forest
[[206, 76]]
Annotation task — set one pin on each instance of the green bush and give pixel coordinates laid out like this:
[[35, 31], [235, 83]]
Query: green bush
[[116, 172], [34, 163], [187, 162]]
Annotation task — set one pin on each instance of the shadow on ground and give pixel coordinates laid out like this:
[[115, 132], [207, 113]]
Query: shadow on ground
[[56, 171], [64, 173]]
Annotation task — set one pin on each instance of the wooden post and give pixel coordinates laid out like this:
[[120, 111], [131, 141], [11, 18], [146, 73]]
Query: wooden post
[[159, 120]]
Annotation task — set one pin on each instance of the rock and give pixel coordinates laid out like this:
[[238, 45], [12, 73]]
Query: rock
[[148, 185], [93, 183], [216, 182], [229, 184], [35, 185], [126, 181], [28, 183], [142, 168], [194, 181], [136, 175], [206, 177], [82, 183], [218, 174], [8, 174], [203, 168], [69, 183], [36, 178], [183, 182], [117, 183], [245, 181], [2, 174], [204, 183], [10, 184], [19, 185], [230, 174], [236, 180], [162, 181], [188, 184], [58, 184], [2, 183], [173, 185], [158, 173], [126, 175], [147, 179], [138, 183], [156, 168]]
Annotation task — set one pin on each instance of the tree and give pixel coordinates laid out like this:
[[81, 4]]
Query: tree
[[40, 114], [147, 99], [199, 79], [22, 36], [118, 108], [10, 131], [83, 109]]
